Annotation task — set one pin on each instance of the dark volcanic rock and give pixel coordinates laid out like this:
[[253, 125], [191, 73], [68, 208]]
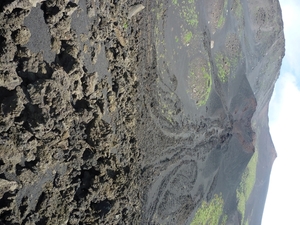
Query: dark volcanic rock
[[68, 152], [113, 115]]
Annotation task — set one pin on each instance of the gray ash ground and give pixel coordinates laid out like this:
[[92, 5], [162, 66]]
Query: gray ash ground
[[112, 118]]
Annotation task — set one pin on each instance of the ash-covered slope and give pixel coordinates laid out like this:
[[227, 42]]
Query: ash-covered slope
[[113, 116], [211, 70]]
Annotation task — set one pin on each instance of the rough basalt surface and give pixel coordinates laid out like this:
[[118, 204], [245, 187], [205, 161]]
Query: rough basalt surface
[[68, 113], [100, 121]]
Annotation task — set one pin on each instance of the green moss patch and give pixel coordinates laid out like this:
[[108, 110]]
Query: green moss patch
[[211, 212], [199, 80], [237, 9], [228, 63], [221, 20], [187, 12], [187, 37], [223, 67], [246, 186]]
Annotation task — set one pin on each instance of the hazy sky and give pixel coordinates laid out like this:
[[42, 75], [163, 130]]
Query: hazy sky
[[282, 205]]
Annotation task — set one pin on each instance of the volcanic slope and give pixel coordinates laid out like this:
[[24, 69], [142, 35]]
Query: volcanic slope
[[210, 71]]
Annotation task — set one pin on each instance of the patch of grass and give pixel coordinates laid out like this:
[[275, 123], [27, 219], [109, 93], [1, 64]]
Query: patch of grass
[[160, 10], [210, 212], [223, 66], [166, 110], [187, 37], [187, 11], [175, 2], [200, 82], [125, 25], [176, 39], [190, 15], [246, 185], [221, 20], [208, 84], [237, 8]]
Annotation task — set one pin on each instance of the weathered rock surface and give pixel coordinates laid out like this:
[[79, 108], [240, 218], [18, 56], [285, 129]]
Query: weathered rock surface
[[68, 151], [135, 112]]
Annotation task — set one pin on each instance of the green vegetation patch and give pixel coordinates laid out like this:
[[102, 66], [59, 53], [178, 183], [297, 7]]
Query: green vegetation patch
[[200, 81], [223, 67], [211, 212], [228, 63], [160, 10], [175, 2], [246, 186], [221, 20], [237, 9], [187, 11], [187, 37]]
